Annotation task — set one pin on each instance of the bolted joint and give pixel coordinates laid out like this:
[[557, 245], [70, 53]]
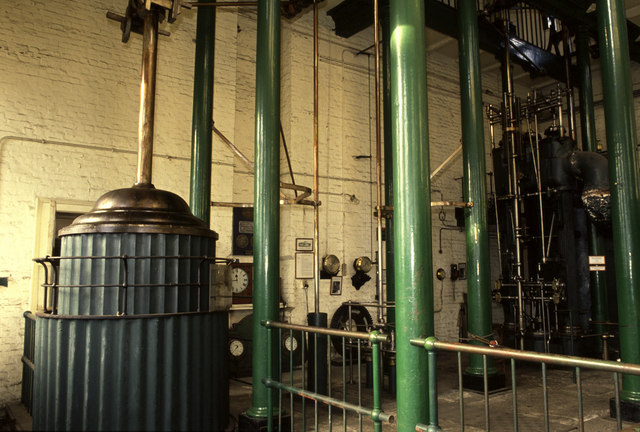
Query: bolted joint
[[429, 343], [376, 337], [375, 415]]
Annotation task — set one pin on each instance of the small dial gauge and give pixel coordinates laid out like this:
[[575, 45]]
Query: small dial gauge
[[239, 280], [363, 264], [236, 347], [331, 264], [291, 343], [242, 241]]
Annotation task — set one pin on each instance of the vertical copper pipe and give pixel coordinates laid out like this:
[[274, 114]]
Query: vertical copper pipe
[[376, 31], [147, 97], [316, 163]]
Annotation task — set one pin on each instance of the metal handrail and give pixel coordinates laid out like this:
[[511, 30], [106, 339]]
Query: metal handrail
[[530, 356], [374, 337], [432, 345]]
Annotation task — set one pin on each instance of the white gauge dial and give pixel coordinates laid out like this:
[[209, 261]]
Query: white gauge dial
[[239, 280], [236, 347], [291, 344]]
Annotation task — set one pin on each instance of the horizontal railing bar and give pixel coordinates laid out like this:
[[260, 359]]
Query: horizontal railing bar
[[373, 305], [113, 257], [530, 356], [381, 416], [373, 336], [139, 285]]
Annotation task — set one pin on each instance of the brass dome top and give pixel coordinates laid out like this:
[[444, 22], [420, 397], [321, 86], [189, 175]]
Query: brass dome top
[[140, 209]]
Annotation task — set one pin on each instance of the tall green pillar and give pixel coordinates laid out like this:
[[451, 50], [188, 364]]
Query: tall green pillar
[[474, 182], [412, 210], [388, 161], [266, 249], [598, 279], [200, 176], [623, 177], [202, 120]]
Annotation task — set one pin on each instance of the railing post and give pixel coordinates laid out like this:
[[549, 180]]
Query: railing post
[[270, 377], [433, 383], [377, 388]]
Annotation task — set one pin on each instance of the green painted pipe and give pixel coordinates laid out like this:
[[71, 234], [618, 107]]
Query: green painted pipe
[[266, 250], [599, 301], [388, 161], [623, 172], [377, 383], [474, 181], [412, 210], [202, 121], [433, 384]]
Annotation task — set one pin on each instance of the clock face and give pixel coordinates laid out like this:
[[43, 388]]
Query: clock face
[[239, 280], [291, 344], [236, 347]]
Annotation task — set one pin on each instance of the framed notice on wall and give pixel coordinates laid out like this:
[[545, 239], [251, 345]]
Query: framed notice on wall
[[304, 265], [242, 242], [304, 244]]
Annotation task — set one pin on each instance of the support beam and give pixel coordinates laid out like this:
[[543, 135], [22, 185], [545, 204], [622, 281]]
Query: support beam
[[623, 175], [413, 260], [474, 183], [353, 16], [598, 279], [202, 120], [266, 259]]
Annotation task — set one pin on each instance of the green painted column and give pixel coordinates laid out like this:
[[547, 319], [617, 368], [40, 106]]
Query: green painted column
[[598, 280], [388, 160], [266, 250], [412, 209], [474, 181], [202, 122], [623, 177]]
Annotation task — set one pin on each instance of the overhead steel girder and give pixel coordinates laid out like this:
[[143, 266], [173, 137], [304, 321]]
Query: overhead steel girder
[[353, 16], [574, 12]]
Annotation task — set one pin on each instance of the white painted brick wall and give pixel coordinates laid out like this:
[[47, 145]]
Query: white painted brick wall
[[67, 77]]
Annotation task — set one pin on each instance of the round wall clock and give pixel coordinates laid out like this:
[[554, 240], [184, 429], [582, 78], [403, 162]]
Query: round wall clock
[[242, 282]]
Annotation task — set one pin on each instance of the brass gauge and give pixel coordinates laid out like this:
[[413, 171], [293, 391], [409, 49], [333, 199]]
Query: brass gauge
[[331, 265], [363, 264]]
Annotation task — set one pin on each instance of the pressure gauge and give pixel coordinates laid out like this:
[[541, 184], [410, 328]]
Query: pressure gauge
[[331, 265], [236, 347], [362, 264], [239, 280], [291, 343]]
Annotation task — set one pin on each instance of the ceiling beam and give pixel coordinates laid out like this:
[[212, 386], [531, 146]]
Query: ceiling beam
[[353, 16]]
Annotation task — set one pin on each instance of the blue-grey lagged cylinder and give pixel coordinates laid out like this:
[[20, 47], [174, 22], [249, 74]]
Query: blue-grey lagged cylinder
[[132, 344], [158, 273], [128, 373]]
